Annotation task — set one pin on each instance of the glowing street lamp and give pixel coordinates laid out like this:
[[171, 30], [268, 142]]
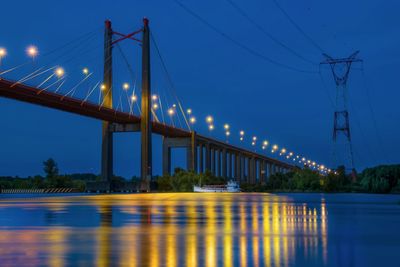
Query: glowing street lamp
[[102, 87], [211, 127], [154, 97], [171, 111], [189, 111], [226, 126], [85, 71], [209, 119], [59, 72], [227, 133], [32, 51], [155, 106], [125, 86], [254, 138], [192, 120], [3, 52], [134, 98]]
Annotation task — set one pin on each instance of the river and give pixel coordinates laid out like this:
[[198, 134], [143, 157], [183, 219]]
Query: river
[[189, 229]]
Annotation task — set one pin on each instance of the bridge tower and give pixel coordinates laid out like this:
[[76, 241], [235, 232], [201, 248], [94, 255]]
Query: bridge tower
[[146, 123], [343, 150], [107, 135]]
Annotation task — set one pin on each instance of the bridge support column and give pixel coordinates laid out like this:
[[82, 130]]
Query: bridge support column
[[253, 170], [237, 163], [263, 172], [213, 161], [230, 165], [201, 159], [191, 152], [219, 156], [224, 163], [208, 157], [166, 158], [145, 125], [234, 166], [241, 168], [107, 136]]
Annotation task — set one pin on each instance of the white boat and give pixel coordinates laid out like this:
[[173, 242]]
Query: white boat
[[230, 187]]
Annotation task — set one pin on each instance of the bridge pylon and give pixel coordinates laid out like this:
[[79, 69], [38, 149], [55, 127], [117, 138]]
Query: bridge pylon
[[146, 124], [106, 88]]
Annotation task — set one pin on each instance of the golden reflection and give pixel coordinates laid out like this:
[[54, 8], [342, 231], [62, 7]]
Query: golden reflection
[[243, 234], [211, 239], [191, 235], [166, 230], [228, 240]]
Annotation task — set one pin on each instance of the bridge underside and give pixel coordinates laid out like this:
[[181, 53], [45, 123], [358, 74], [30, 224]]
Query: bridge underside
[[52, 100], [203, 153]]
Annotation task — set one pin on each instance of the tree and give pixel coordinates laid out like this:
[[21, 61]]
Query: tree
[[50, 168]]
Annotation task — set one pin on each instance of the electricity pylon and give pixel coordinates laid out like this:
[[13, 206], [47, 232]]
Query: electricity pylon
[[341, 126]]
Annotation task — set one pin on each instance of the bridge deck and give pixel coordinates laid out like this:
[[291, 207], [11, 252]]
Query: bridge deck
[[36, 96]]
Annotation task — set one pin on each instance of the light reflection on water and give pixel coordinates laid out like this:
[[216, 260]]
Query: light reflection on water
[[165, 230]]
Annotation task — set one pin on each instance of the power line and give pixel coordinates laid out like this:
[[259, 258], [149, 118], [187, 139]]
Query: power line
[[297, 26], [375, 124], [266, 33], [239, 44]]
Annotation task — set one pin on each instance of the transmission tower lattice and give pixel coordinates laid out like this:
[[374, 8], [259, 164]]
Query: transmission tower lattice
[[341, 127]]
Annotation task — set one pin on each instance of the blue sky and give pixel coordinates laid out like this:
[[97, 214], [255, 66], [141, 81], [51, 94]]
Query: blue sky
[[214, 76]]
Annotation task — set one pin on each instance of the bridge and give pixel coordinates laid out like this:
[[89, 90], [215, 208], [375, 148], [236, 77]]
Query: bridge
[[203, 153]]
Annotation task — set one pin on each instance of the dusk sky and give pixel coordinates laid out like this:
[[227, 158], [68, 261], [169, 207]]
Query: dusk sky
[[214, 76]]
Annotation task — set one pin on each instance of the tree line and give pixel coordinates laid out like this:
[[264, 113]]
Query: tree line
[[379, 179]]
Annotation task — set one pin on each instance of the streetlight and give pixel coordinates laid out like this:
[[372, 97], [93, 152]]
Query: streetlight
[[85, 71], [59, 72], [241, 133], [226, 126], [3, 53], [171, 111], [211, 127], [192, 120], [155, 106], [189, 111], [209, 119], [125, 86], [154, 97], [134, 98], [32, 51]]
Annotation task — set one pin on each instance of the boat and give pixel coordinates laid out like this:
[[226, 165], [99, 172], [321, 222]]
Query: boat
[[230, 187]]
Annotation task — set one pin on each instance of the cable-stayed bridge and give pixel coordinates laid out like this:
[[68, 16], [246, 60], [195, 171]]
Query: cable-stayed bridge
[[203, 153]]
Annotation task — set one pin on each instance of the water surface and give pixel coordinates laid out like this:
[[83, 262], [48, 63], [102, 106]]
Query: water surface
[[200, 230]]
